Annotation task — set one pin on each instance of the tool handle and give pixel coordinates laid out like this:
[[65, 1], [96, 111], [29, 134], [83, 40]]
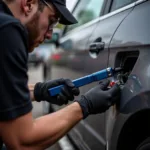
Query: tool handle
[[97, 76]]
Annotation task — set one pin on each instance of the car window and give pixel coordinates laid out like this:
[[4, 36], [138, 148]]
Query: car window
[[116, 4], [70, 4], [85, 11]]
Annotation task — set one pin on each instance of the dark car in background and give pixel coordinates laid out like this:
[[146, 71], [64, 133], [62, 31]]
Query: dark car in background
[[116, 33]]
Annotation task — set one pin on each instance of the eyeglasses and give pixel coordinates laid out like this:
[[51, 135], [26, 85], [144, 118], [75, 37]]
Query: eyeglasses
[[53, 22]]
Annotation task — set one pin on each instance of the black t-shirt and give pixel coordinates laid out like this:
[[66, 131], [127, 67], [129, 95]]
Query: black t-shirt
[[14, 94]]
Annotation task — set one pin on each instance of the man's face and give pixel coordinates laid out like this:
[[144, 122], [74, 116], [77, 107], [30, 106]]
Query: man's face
[[39, 27]]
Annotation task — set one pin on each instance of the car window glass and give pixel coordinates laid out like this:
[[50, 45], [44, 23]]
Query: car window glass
[[116, 4], [70, 4], [86, 11]]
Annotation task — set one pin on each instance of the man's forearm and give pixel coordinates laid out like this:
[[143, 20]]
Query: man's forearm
[[31, 89], [57, 124], [40, 133]]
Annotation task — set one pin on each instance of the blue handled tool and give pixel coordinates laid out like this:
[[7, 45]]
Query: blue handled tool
[[97, 76]]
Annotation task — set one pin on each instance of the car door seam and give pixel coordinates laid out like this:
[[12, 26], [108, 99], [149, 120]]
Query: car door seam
[[116, 31]]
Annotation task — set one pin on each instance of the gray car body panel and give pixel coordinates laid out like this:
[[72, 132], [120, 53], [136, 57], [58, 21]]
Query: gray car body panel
[[132, 35], [122, 31]]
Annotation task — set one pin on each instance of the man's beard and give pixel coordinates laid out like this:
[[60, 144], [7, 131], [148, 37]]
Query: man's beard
[[33, 31]]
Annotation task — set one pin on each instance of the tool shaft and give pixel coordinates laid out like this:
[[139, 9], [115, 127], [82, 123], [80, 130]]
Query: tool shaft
[[97, 76]]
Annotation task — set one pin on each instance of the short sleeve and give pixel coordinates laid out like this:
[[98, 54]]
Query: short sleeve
[[14, 94]]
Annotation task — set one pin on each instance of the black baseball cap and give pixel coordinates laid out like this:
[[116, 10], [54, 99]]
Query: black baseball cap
[[66, 17]]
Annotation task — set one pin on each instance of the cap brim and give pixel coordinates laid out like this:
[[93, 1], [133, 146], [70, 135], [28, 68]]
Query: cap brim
[[66, 17]]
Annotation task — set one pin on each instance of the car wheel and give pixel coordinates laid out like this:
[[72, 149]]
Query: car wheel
[[145, 145]]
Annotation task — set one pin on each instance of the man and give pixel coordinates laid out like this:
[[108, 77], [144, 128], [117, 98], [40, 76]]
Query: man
[[18, 129]]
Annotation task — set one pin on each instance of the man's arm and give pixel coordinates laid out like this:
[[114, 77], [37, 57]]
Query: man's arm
[[27, 134]]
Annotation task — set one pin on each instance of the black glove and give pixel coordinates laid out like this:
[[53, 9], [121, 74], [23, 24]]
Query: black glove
[[99, 99], [67, 93]]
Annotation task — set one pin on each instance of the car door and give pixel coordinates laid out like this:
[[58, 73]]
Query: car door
[[75, 39]]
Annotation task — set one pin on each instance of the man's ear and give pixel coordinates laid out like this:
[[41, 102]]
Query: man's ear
[[27, 6]]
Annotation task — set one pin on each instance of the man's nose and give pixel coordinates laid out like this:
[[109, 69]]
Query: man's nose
[[48, 34]]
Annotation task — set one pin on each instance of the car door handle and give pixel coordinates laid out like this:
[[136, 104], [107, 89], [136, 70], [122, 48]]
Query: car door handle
[[96, 47]]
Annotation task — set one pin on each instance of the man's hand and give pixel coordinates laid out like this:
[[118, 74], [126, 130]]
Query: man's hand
[[68, 91], [99, 99]]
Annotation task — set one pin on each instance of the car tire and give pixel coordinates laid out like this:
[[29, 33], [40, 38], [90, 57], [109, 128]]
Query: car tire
[[145, 145]]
